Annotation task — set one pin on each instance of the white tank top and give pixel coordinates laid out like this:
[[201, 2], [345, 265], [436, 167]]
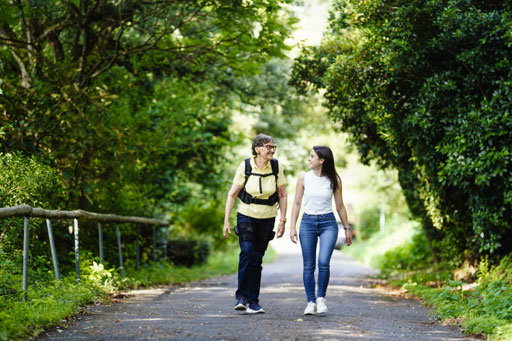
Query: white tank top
[[317, 194]]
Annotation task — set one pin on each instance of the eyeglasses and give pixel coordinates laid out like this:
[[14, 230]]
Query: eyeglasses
[[270, 146]]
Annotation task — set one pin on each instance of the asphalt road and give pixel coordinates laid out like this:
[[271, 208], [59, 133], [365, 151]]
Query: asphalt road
[[204, 310]]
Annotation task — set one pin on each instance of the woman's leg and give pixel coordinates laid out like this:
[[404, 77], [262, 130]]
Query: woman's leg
[[308, 241], [328, 229], [262, 233], [244, 261]]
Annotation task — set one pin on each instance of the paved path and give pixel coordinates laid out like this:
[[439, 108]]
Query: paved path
[[204, 310]]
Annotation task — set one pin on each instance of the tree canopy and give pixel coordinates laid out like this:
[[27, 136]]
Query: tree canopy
[[424, 86], [128, 99]]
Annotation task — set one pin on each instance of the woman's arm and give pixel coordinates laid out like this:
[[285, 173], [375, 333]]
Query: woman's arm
[[230, 202], [342, 213], [283, 203], [297, 202]]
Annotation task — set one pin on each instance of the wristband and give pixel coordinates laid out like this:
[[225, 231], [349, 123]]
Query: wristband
[[283, 220]]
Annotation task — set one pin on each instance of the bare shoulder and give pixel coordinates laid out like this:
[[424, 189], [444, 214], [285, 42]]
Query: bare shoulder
[[301, 176], [338, 178]]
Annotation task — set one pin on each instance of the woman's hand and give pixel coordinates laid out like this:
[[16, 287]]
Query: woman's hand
[[226, 229], [293, 235], [348, 237], [280, 229]]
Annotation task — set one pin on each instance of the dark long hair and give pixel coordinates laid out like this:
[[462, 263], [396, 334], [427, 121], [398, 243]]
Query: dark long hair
[[328, 167]]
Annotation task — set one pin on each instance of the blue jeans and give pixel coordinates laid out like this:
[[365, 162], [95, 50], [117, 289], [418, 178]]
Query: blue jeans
[[253, 244], [312, 228]]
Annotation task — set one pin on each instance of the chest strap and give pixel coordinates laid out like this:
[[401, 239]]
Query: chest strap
[[248, 198]]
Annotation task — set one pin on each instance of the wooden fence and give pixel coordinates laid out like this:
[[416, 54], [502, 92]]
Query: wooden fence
[[27, 212]]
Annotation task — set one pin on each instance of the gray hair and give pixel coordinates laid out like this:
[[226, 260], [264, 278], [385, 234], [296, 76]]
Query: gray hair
[[259, 141]]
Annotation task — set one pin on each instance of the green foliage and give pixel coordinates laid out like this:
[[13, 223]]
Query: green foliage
[[368, 222], [23, 180], [484, 307], [424, 87], [129, 103], [218, 263], [202, 214], [26, 180], [267, 103], [49, 303], [187, 251], [398, 232], [128, 100], [412, 255]]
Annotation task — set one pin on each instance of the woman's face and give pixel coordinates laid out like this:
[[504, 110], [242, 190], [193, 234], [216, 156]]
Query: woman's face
[[267, 150], [314, 161]]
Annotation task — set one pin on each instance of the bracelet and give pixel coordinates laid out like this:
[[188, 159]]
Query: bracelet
[[283, 220]]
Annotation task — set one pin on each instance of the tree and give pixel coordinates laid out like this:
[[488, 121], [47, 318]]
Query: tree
[[84, 86], [423, 86]]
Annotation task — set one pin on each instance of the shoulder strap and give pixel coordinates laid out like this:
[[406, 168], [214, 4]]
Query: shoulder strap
[[248, 170], [248, 167], [275, 167]]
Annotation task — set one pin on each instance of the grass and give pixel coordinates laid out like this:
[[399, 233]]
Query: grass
[[49, 304]]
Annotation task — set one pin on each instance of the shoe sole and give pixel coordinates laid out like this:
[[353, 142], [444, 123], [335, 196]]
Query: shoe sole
[[240, 307], [324, 313], [250, 311], [309, 314]]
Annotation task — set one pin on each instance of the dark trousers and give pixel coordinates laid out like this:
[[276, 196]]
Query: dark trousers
[[253, 237]]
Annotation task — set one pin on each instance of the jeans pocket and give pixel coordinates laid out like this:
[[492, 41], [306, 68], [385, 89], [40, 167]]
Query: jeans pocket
[[245, 232]]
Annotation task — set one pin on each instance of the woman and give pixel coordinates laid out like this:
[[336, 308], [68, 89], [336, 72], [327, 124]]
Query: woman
[[260, 185], [318, 186]]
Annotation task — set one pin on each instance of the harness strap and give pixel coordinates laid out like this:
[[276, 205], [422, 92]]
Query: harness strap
[[248, 198]]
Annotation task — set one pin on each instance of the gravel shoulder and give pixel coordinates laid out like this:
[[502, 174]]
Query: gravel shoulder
[[204, 310]]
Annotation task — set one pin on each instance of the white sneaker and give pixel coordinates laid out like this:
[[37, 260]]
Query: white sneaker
[[321, 308], [310, 309]]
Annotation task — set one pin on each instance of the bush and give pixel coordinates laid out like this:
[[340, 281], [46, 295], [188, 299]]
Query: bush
[[482, 307], [187, 251], [369, 223], [23, 180], [412, 255], [202, 218]]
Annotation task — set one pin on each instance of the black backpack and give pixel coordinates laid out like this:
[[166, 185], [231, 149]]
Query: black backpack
[[249, 199]]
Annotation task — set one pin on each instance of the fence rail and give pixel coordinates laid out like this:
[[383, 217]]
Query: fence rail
[[27, 211]]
